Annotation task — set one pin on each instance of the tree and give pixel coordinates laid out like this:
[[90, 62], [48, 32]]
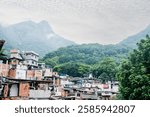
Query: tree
[[134, 74], [50, 62], [105, 70], [89, 54], [2, 55], [73, 69], [104, 77]]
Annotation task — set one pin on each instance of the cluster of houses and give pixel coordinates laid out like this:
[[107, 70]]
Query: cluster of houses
[[23, 77]]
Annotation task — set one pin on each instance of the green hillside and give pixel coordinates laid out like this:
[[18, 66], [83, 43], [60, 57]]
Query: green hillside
[[131, 41], [86, 53], [80, 60]]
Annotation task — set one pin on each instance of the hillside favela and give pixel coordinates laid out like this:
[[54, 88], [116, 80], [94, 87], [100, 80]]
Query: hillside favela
[[23, 76], [75, 72], [76, 50]]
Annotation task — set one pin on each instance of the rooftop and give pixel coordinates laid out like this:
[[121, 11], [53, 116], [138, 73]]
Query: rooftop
[[31, 52]]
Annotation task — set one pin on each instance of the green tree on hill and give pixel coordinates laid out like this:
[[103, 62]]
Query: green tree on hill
[[73, 69], [134, 74], [3, 56], [106, 70]]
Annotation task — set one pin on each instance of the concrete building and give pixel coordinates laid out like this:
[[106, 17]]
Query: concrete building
[[16, 54], [16, 89], [18, 73], [48, 72], [16, 58], [31, 59], [41, 65], [34, 74]]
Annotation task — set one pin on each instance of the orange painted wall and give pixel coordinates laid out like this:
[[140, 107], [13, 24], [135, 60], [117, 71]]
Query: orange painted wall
[[24, 89], [30, 73], [12, 73], [38, 74]]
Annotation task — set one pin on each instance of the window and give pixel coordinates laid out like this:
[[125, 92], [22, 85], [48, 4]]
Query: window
[[78, 94]]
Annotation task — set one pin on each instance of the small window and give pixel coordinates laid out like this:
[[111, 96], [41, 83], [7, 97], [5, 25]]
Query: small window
[[78, 94]]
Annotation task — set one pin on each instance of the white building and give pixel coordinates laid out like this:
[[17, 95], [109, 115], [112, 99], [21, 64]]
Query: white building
[[21, 72], [31, 58]]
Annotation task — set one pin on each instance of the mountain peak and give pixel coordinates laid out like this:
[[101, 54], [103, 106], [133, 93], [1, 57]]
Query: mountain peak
[[29, 35], [28, 22], [132, 40], [44, 22], [45, 26]]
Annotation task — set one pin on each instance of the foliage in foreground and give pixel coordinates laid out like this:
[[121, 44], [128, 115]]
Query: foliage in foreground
[[134, 74]]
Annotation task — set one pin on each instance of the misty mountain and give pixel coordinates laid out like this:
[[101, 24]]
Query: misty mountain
[[29, 35], [93, 53], [134, 39]]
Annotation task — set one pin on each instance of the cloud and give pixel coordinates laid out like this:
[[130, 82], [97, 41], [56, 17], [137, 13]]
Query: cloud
[[82, 21]]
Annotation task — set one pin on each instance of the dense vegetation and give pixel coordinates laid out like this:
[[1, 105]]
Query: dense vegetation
[[80, 60], [73, 69], [86, 53], [3, 55], [105, 70], [105, 63], [134, 74]]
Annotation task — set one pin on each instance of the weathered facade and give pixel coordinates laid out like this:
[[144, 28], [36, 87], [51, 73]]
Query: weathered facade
[[24, 89]]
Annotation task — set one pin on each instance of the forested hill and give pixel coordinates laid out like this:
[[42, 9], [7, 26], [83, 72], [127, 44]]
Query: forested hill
[[86, 53], [93, 53], [131, 41]]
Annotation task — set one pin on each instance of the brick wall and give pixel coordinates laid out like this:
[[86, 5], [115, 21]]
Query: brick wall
[[6, 90], [24, 89], [34, 74], [12, 73], [30, 73], [38, 74]]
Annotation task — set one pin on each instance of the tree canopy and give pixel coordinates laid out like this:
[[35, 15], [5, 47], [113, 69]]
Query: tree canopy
[[86, 56], [73, 69], [134, 74], [106, 70], [3, 56], [86, 53]]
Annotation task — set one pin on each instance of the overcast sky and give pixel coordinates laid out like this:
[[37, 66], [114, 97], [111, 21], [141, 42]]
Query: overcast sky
[[82, 21]]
